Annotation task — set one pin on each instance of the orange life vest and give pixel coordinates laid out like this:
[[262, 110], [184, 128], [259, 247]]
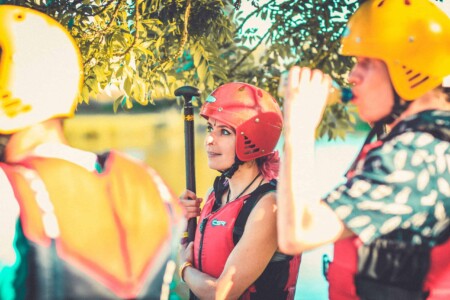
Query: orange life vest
[[92, 235]]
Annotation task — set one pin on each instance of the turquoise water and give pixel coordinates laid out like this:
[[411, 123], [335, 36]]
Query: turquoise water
[[333, 159]]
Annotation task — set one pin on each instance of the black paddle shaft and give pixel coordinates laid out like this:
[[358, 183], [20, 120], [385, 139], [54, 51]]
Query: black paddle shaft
[[188, 92]]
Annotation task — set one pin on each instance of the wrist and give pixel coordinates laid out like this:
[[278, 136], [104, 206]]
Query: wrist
[[182, 268]]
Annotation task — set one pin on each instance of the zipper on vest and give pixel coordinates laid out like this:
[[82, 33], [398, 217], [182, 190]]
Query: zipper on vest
[[202, 231]]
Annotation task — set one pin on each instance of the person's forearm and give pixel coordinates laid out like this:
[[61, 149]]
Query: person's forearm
[[201, 284], [295, 189]]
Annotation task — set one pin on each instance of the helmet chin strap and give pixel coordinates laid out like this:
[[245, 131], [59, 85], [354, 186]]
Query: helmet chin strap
[[397, 109], [221, 184], [228, 173]]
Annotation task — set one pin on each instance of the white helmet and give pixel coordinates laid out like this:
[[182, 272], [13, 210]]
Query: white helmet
[[40, 69]]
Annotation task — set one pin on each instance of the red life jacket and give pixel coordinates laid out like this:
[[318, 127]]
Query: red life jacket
[[215, 238], [343, 269], [109, 234], [341, 272]]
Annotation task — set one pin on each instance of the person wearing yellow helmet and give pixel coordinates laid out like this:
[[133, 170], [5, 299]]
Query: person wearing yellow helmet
[[74, 224], [389, 221]]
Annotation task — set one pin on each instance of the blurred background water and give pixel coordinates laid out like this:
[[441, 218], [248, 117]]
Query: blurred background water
[[158, 139]]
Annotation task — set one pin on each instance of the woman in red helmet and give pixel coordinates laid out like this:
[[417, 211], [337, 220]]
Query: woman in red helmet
[[234, 254]]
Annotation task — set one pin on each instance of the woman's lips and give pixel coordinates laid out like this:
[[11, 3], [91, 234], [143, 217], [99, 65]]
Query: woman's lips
[[212, 154], [355, 98]]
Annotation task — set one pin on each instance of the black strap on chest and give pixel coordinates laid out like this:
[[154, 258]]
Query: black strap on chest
[[249, 204]]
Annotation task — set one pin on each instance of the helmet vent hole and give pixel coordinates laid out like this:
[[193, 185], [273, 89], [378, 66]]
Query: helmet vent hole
[[251, 151], [249, 146], [381, 3], [420, 82], [414, 77], [260, 94], [19, 17]]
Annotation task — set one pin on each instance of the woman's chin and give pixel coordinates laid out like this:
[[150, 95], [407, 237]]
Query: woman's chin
[[214, 167]]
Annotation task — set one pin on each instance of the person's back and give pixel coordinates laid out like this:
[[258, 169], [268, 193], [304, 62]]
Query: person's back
[[84, 233], [75, 225]]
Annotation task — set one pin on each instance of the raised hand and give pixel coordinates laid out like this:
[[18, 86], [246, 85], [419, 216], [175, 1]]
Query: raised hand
[[305, 93]]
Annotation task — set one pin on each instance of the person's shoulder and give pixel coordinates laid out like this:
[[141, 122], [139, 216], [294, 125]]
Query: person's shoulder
[[267, 201], [410, 142]]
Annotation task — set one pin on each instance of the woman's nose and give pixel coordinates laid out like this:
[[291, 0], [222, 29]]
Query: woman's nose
[[209, 139]]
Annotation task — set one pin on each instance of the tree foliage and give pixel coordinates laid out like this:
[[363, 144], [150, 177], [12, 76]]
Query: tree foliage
[[148, 48]]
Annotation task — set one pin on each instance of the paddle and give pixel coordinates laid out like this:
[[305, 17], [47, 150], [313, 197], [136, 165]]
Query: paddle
[[188, 92]]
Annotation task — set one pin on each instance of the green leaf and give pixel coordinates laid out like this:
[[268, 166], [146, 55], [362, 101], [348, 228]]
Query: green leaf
[[127, 85], [197, 57], [118, 102], [201, 71]]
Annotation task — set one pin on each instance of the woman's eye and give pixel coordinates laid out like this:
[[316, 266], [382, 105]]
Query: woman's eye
[[209, 128], [225, 132]]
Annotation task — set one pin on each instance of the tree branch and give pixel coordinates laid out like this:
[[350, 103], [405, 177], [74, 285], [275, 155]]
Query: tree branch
[[135, 35], [233, 69], [252, 14]]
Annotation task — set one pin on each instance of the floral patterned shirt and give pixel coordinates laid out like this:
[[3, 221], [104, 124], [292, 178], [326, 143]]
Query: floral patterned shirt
[[403, 182]]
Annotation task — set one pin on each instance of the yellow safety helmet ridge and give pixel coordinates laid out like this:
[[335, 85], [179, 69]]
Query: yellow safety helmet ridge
[[411, 36], [41, 70]]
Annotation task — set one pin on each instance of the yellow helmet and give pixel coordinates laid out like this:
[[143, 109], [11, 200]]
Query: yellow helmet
[[411, 36], [40, 69]]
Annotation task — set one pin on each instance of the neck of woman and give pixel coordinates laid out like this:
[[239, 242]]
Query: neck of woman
[[22, 143], [242, 180]]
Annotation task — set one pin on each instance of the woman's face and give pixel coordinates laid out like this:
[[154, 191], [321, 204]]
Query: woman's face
[[220, 144], [372, 89]]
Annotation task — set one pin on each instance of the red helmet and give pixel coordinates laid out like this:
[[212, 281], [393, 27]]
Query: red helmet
[[252, 112]]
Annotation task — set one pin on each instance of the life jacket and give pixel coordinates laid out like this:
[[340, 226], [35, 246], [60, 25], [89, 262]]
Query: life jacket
[[85, 235], [342, 273], [218, 233]]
